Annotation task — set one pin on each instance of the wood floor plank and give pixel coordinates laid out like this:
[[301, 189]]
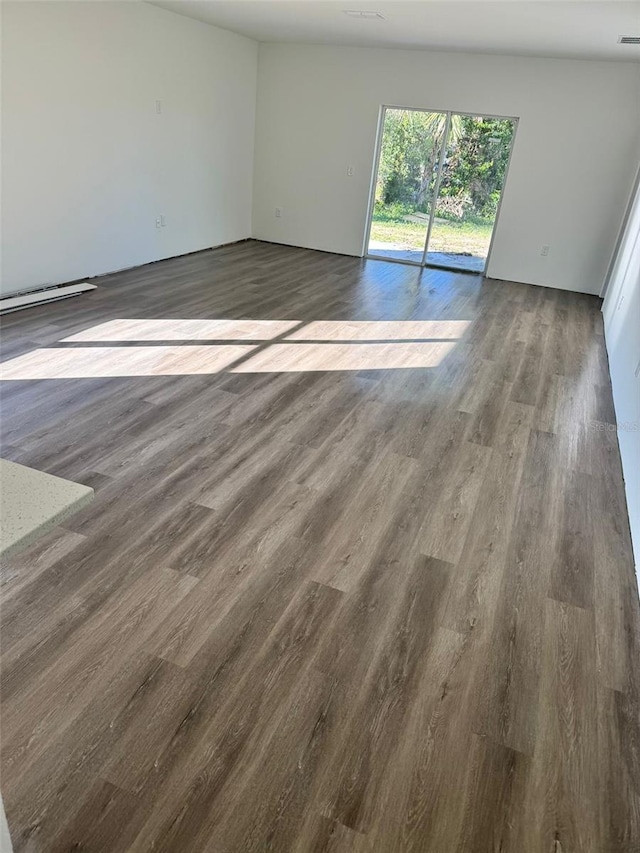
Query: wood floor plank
[[451, 508], [619, 811], [422, 806], [252, 713], [88, 657], [528, 380], [377, 707], [474, 591], [100, 824], [508, 696], [565, 776], [573, 568], [39, 558], [497, 791], [368, 587], [232, 588]]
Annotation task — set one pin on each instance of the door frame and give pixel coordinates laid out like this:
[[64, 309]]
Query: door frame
[[374, 174]]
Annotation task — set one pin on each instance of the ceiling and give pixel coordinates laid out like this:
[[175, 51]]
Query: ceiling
[[581, 29]]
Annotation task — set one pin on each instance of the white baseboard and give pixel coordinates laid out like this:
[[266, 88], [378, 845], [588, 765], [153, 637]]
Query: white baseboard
[[38, 297]]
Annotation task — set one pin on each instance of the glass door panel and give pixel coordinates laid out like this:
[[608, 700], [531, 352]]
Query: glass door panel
[[405, 185], [469, 191]]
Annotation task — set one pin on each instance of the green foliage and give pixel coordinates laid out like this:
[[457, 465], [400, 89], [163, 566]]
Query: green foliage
[[449, 217], [447, 236], [408, 158], [394, 212], [477, 163], [474, 167]]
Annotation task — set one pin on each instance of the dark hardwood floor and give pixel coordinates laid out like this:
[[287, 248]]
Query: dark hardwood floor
[[357, 577]]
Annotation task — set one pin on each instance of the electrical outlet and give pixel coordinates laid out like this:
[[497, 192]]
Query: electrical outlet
[[158, 222], [350, 171], [278, 212], [544, 251], [158, 107], [163, 221]]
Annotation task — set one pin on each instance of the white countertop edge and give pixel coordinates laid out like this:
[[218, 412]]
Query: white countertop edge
[[32, 503], [46, 526]]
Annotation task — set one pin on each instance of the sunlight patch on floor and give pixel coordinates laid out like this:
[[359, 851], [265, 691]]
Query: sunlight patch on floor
[[184, 330], [313, 330], [272, 346], [102, 362], [379, 330], [288, 358]]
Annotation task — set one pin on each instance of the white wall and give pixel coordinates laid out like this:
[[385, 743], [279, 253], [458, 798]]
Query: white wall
[[621, 310], [87, 164], [570, 173]]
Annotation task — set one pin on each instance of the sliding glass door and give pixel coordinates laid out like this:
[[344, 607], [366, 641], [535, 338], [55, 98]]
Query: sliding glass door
[[438, 185], [410, 152]]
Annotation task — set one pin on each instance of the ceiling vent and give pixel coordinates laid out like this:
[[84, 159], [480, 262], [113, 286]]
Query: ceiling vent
[[629, 40], [357, 13]]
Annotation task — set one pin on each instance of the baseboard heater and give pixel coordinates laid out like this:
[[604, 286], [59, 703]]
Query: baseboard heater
[[38, 297]]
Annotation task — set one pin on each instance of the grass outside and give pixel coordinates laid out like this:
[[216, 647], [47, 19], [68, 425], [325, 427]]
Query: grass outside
[[446, 235]]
